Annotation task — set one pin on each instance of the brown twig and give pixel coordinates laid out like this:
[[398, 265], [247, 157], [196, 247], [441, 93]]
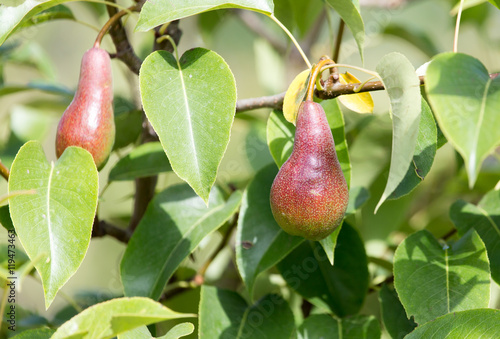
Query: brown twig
[[272, 101], [338, 41], [102, 228], [124, 50], [4, 171], [171, 30]]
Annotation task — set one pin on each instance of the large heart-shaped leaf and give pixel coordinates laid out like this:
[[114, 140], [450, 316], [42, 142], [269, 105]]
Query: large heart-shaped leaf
[[485, 219], [56, 222], [225, 314], [432, 279], [466, 102], [157, 12], [350, 14], [403, 87], [107, 319], [480, 323], [260, 242], [190, 103], [325, 326], [174, 224]]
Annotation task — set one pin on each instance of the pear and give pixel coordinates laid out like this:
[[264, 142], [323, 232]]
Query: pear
[[309, 195], [88, 122]]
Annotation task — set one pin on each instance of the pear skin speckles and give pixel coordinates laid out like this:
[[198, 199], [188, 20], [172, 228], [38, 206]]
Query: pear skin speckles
[[309, 195]]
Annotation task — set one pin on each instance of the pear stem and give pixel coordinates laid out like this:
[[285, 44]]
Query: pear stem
[[4, 171], [111, 22], [290, 35], [373, 74], [315, 72]]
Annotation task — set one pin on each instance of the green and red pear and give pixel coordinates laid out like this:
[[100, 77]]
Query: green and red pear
[[309, 195], [88, 122]]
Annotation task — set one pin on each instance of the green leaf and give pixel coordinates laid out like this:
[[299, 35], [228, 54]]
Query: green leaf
[[225, 314], [13, 13], [56, 12], [158, 12], [143, 161], [350, 14], [325, 326], [481, 323], [56, 222], [39, 85], [298, 14], [485, 219], [174, 224], [5, 219], [107, 319], [38, 333], [260, 242], [179, 330], [433, 279], [329, 243], [357, 197], [393, 314], [281, 135], [142, 332], [495, 3], [468, 4], [128, 124], [465, 101], [423, 156], [193, 120], [403, 87], [340, 288]]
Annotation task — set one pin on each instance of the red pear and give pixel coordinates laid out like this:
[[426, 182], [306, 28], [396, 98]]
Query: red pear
[[309, 195], [88, 122]]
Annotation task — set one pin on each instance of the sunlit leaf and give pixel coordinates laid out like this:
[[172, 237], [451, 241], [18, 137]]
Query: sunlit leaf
[[403, 87], [157, 12], [190, 103], [480, 323], [434, 279], [295, 95], [107, 319], [466, 103], [359, 102], [352, 18], [56, 222]]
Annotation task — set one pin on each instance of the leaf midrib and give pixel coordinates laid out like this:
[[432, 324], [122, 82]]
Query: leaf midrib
[[49, 222], [473, 154]]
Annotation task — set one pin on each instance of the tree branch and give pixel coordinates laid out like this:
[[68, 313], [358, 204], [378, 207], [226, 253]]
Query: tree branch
[[276, 101], [4, 171], [124, 50], [102, 228]]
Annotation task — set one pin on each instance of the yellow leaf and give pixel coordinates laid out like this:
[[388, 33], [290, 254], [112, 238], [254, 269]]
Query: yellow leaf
[[359, 102], [295, 95]]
